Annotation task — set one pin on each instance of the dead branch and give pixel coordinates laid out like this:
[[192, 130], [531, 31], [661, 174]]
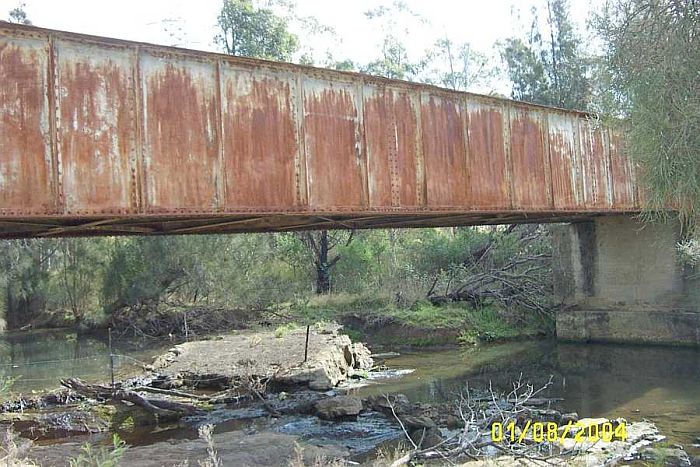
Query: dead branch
[[162, 409]]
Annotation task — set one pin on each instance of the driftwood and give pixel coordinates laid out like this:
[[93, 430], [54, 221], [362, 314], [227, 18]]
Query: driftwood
[[162, 409]]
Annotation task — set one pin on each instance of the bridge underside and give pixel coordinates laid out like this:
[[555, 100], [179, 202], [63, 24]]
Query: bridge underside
[[267, 222]]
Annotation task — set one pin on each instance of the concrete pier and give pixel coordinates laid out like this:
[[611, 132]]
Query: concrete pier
[[619, 280]]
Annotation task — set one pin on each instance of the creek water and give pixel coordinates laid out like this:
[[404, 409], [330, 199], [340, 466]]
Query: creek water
[[661, 384], [38, 360]]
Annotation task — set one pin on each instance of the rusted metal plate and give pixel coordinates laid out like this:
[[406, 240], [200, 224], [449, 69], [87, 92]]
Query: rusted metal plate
[[622, 174], [96, 128], [391, 134], [181, 133], [487, 157], [259, 138], [97, 133], [333, 143], [25, 131], [564, 161], [595, 165], [444, 152], [529, 160]]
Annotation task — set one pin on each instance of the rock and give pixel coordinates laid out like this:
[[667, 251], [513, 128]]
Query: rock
[[338, 407], [585, 423], [427, 438], [412, 422], [331, 366], [547, 415], [234, 448], [453, 422], [381, 404], [331, 358], [569, 417], [673, 456]]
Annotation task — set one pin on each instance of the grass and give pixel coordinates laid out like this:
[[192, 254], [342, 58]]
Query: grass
[[485, 324], [285, 329]]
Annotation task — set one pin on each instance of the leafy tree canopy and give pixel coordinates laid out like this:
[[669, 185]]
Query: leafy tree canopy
[[549, 67], [653, 58], [252, 31]]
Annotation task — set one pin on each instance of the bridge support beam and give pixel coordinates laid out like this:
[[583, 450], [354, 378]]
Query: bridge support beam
[[619, 281]]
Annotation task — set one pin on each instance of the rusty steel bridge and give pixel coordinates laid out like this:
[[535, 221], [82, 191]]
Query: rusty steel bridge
[[109, 137]]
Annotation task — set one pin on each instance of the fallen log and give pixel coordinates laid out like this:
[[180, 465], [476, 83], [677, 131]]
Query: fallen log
[[160, 408]]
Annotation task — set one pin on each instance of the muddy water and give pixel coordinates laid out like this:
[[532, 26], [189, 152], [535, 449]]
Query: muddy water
[[661, 384]]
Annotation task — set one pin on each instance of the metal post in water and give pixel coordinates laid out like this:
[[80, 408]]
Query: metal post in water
[[306, 346], [111, 358], [187, 331]]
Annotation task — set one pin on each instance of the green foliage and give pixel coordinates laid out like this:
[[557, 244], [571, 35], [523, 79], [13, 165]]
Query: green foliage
[[549, 68], [285, 329], [458, 66], [6, 383], [653, 58], [19, 15], [92, 456], [252, 31]]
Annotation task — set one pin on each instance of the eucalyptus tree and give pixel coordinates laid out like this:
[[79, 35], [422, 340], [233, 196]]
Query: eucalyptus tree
[[549, 66], [652, 53]]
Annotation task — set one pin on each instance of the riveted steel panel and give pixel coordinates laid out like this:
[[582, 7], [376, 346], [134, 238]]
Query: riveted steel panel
[[96, 128], [564, 161], [333, 143], [102, 136], [529, 159], [391, 129], [595, 165], [259, 137], [181, 132], [487, 157], [444, 151], [25, 130], [622, 174]]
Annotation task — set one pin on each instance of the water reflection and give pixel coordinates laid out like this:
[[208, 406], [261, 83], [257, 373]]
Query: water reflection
[[657, 383], [40, 359]]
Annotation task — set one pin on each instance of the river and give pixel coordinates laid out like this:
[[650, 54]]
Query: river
[[661, 384]]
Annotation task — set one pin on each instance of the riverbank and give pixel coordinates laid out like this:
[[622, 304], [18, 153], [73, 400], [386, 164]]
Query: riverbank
[[382, 320]]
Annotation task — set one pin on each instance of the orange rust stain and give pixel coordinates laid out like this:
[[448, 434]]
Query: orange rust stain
[[487, 160], [563, 165], [444, 153], [260, 145], [527, 155], [96, 134], [182, 132], [390, 129], [594, 166], [621, 170], [25, 158], [333, 148]]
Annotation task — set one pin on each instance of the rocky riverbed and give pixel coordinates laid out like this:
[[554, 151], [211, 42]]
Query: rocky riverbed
[[270, 407]]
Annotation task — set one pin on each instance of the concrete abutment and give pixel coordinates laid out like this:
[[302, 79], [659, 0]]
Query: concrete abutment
[[619, 280]]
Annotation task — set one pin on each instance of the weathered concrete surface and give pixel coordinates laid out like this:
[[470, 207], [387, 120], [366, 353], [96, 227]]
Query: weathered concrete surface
[[331, 359], [640, 326], [619, 281]]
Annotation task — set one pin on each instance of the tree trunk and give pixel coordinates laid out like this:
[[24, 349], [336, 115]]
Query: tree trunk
[[323, 268]]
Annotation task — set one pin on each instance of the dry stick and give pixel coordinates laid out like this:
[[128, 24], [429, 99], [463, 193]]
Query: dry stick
[[111, 358], [172, 392], [267, 405]]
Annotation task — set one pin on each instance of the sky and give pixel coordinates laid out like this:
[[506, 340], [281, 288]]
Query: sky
[[192, 24]]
